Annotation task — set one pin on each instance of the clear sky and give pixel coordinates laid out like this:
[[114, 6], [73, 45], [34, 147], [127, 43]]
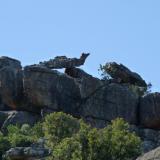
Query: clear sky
[[125, 31]]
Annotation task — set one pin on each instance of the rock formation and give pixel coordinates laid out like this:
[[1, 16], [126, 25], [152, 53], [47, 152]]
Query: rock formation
[[122, 74], [29, 93], [64, 62], [11, 85]]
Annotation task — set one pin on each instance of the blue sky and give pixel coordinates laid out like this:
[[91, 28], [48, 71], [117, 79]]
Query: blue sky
[[125, 31]]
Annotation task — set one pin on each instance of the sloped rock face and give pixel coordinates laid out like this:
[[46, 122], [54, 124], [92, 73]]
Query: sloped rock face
[[110, 102], [152, 155], [150, 111], [44, 88], [11, 86]]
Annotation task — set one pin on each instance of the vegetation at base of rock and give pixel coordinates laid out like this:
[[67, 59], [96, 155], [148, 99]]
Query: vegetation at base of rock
[[72, 139], [78, 141], [19, 136]]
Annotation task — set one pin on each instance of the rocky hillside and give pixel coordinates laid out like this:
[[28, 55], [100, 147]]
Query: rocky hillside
[[27, 94]]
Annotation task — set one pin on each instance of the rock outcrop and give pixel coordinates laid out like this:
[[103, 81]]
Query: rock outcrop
[[110, 102], [150, 111], [19, 117], [122, 74], [49, 89], [11, 86], [64, 62], [38, 89]]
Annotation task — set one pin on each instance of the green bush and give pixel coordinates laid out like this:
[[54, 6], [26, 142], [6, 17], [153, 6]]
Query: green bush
[[114, 142], [58, 126], [68, 149], [72, 139], [123, 144], [19, 136], [37, 131]]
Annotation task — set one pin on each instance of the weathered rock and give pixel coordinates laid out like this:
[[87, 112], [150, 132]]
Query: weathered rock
[[87, 84], [123, 74], [110, 102], [64, 62], [20, 117], [26, 153], [150, 138], [152, 155], [11, 85], [149, 111], [45, 88]]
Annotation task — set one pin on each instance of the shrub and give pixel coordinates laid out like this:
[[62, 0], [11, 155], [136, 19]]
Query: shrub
[[37, 131], [82, 142], [68, 149], [58, 126], [123, 145], [19, 136], [72, 139]]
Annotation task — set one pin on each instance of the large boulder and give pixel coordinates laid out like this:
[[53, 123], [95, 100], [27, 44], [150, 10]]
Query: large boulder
[[152, 155], [87, 84], [149, 111], [122, 74], [110, 102], [11, 84], [20, 118], [49, 89], [150, 138], [64, 62]]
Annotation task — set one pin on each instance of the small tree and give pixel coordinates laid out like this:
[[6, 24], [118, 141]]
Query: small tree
[[123, 144], [58, 126]]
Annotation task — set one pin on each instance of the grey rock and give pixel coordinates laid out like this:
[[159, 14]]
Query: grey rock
[[87, 84], [20, 117], [26, 153], [110, 102], [64, 62], [49, 89], [150, 138], [122, 74], [148, 146], [11, 84], [150, 111], [152, 155]]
